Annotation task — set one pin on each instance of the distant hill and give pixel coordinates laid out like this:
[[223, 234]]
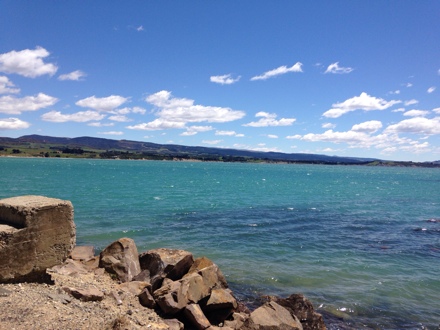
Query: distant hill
[[172, 150]]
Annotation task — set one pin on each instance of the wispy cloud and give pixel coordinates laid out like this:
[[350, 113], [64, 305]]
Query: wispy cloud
[[229, 133], [416, 113], [297, 67], [269, 119], [431, 89], [75, 76], [362, 102], [411, 102], [108, 103], [226, 79], [28, 63], [111, 133], [79, 117], [335, 68]]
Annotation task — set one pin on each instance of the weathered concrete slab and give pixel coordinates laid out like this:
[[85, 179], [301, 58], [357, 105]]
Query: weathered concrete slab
[[36, 233]]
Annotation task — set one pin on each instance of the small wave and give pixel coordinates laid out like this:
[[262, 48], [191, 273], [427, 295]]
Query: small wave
[[157, 198]]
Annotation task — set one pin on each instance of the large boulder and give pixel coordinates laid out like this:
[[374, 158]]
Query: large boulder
[[36, 233], [301, 307], [121, 259], [272, 316]]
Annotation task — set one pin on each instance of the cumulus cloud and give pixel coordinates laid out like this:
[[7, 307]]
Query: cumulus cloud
[[362, 102], [371, 126], [335, 68], [119, 118], [173, 112], [108, 103], [431, 89], [436, 110], [75, 76], [7, 87], [279, 71], [416, 125], [416, 113], [226, 79], [269, 119], [15, 106], [79, 117], [13, 124], [28, 63]]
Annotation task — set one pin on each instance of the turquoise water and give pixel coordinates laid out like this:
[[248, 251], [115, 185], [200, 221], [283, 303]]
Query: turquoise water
[[355, 240]]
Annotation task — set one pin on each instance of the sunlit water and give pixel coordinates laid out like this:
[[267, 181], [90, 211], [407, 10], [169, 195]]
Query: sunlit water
[[361, 242]]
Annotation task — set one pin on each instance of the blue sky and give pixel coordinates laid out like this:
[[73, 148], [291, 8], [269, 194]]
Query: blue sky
[[347, 78]]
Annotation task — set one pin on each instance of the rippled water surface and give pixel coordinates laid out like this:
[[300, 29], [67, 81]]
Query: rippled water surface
[[363, 243]]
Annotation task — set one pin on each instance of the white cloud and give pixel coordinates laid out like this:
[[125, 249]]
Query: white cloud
[[416, 113], [211, 141], [226, 79], [436, 110], [229, 133], [13, 123], [15, 106], [411, 102], [362, 102], [279, 71], [395, 92], [328, 125], [28, 63], [409, 85], [398, 110], [7, 87], [431, 89], [140, 28], [272, 136], [108, 103], [119, 118], [111, 133], [79, 117], [99, 124], [193, 130], [75, 75], [269, 119], [416, 125], [371, 126], [335, 68], [175, 112], [294, 137]]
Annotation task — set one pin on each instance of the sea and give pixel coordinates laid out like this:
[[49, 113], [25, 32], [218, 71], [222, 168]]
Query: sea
[[361, 243]]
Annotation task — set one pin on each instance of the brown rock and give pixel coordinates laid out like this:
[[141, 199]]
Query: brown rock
[[82, 253], [121, 258], [134, 287], [237, 321], [221, 299], [174, 324], [69, 267], [146, 299], [300, 306], [195, 316], [170, 298], [272, 316], [172, 263], [90, 294], [36, 233], [193, 288]]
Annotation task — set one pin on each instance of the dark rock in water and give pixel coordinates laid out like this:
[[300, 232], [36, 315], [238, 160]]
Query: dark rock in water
[[36, 233], [121, 258], [434, 220], [300, 306]]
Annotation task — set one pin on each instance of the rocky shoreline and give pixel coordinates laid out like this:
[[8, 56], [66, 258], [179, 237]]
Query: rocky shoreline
[[119, 288]]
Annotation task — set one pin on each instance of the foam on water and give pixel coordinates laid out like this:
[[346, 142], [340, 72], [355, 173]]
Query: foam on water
[[363, 243]]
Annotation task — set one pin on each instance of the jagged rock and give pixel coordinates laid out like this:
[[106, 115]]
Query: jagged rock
[[300, 306], [237, 321], [174, 324], [69, 267], [89, 294], [121, 258], [146, 299], [36, 233], [171, 263], [117, 297], [194, 288], [82, 253], [134, 287], [210, 271], [62, 298], [195, 316], [272, 316], [221, 299], [170, 298]]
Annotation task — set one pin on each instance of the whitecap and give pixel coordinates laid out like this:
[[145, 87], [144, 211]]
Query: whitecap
[[252, 225], [157, 198]]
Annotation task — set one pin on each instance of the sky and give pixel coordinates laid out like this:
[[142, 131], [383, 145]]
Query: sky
[[347, 78]]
